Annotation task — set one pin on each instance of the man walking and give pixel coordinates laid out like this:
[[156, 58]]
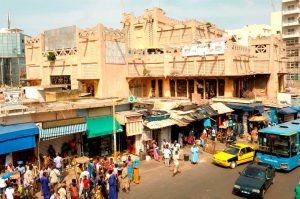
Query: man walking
[[58, 164], [167, 153], [176, 163]]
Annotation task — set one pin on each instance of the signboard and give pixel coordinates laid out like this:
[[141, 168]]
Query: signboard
[[131, 99], [213, 48], [13, 97], [65, 122]]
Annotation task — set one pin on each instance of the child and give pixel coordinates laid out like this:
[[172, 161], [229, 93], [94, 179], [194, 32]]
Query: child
[[86, 187]]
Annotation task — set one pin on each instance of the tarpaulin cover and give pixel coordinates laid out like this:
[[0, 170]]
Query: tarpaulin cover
[[17, 137], [287, 111], [246, 107], [101, 126]]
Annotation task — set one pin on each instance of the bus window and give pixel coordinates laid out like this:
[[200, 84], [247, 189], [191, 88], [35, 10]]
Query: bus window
[[294, 145], [281, 145]]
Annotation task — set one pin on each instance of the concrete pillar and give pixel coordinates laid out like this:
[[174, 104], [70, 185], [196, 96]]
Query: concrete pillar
[[217, 86], [204, 89], [166, 88], [245, 122]]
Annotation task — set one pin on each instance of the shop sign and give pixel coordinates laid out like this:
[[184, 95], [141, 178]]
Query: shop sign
[[212, 48], [12, 97], [65, 122]]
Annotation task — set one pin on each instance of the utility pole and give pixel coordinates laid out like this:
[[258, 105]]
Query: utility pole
[[115, 133]]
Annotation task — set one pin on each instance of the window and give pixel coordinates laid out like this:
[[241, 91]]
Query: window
[[60, 79], [291, 19], [221, 87], [292, 53], [261, 48], [292, 65], [292, 76], [172, 88], [292, 42], [291, 31], [291, 7], [181, 88], [249, 149]]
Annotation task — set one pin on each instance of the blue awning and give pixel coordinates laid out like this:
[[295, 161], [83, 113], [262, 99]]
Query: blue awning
[[56, 132], [246, 107], [287, 111], [295, 108], [17, 137]]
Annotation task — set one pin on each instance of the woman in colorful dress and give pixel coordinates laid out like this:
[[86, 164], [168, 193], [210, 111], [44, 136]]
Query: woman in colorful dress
[[129, 163], [155, 154]]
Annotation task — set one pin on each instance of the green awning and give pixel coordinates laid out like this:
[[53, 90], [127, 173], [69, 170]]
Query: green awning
[[101, 126]]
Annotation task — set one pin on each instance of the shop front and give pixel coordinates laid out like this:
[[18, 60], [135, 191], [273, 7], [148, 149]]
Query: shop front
[[64, 136], [99, 135], [133, 124], [18, 142]]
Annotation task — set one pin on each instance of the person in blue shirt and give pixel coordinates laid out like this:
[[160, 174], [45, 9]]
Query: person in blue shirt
[[21, 169], [195, 151]]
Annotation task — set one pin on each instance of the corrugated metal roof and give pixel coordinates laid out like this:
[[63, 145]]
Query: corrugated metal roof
[[221, 108], [160, 124]]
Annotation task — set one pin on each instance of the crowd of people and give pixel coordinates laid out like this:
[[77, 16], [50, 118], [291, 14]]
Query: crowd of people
[[99, 178]]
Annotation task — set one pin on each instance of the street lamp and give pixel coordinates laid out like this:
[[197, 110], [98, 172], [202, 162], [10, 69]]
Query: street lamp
[[114, 126]]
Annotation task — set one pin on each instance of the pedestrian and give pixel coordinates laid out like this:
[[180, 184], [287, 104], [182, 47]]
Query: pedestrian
[[16, 194], [58, 164], [45, 186], [155, 154], [98, 191], [84, 173], [62, 192], [124, 180], [21, 169], [52, 192], [136, 171], [54, 173], [74, 190], [9, 191], [112, 181], [86, 187], [176, 163], [180, 139], [297, 191], [28, 181], [167, 154], [91, 167], [213, 134], [195, 151], [129, 168]]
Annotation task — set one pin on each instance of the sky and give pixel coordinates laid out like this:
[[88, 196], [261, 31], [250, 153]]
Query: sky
[[36, 16]]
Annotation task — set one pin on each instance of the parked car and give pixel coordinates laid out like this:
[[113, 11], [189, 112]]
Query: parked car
[[254, 180], [234, 155]]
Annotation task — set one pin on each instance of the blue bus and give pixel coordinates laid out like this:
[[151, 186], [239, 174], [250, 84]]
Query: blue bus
[[279, 145]]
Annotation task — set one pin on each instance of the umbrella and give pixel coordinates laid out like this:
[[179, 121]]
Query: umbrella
[[258, 119]]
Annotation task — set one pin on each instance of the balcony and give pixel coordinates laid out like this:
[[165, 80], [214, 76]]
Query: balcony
[[290, 35], [293, 23], [284, 1], [289, 12]]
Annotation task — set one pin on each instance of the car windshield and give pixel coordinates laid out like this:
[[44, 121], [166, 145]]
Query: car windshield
[[232, 150], [253, 173]]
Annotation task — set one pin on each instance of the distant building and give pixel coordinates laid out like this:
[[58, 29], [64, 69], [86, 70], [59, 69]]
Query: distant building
[[243, 35], [276, 22], [12, 56], [171, 58], [91, 60], [290, 34]]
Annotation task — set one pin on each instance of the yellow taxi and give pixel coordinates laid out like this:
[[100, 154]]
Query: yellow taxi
[[234, 155]]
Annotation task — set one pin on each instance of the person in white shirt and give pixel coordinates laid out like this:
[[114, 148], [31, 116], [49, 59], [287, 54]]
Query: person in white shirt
[[84, 173], [53, 176], [9, 192], [58, 163], [167, 154]]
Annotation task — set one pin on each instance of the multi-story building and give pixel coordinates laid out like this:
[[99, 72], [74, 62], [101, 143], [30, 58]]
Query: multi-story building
[[290, 34], [92, 60], [12, 57], [171, 58]]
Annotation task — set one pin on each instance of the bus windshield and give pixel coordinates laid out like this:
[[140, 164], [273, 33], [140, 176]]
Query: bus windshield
[[275, 144]]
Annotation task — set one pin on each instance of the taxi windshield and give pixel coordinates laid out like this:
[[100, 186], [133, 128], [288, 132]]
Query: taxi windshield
[[232, 150]]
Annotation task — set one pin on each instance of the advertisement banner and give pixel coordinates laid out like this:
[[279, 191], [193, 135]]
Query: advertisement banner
[[12, 97], [213, 48]]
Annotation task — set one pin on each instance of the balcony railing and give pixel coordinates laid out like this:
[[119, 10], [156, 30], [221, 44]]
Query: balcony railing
[[284, 1], [290, 34], [294, 23], [288, 12]]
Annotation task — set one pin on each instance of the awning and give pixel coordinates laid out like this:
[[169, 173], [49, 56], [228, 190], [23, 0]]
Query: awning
[[17, 137], [295, 108], [209, 110], [258, 119], [134, 128], [56, 132], [287, 111], [246, 107], [101, 126], [221, 108], [160, 124]]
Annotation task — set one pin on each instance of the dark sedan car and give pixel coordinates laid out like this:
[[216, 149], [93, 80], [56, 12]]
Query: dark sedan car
[[254, 180]]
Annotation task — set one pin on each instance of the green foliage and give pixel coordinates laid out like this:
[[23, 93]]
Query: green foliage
[[51, 56]]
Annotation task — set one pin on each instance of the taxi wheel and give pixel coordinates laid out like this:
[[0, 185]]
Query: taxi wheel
[[233, 164]]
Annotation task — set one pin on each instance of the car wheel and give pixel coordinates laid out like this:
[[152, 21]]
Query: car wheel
[[233, 164], [262, 195]]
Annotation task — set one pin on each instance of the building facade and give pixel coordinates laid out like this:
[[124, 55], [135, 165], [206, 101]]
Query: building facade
[[91, 60], [12, 57], [290, 34], [170, 58]]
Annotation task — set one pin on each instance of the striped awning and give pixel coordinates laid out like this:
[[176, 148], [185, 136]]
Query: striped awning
[[134, 128], [56, 132]]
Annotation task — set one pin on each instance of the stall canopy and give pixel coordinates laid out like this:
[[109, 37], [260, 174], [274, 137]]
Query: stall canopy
[[221, 108], [209, 110], [160, 124], [295, 108], [287, 111], [132, 120], [246, 107], [17, 137], [101, 126]]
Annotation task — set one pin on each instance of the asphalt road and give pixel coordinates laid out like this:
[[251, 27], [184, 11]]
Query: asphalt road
[[204, 180]]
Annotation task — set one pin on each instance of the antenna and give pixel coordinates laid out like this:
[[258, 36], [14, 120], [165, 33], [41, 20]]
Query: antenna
[[8, 21]]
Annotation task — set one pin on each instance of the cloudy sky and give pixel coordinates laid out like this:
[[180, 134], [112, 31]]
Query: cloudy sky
[[35, 16]]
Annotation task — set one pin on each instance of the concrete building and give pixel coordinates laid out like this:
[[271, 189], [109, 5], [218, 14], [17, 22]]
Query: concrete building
[[92, 60], [170, 58], [12, 56], [290, 34], [276, 22]]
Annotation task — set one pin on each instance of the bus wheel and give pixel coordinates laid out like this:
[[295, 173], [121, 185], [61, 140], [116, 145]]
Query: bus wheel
[[233, 164]]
